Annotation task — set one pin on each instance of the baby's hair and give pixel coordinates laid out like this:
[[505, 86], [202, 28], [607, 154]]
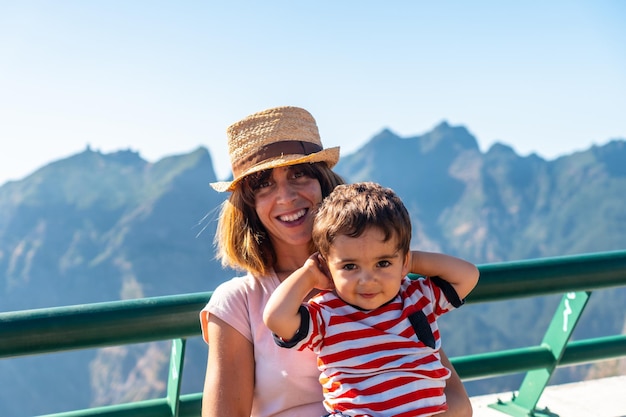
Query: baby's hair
[[352, 208]]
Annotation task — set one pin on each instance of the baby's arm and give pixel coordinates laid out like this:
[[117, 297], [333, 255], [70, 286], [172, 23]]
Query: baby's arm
[[462, 275], [281, 314]]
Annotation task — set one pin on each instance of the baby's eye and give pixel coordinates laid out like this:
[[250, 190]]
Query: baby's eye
[[384, 264], [349, 267]]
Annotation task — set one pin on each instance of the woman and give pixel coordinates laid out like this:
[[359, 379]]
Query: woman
[[281, 173]]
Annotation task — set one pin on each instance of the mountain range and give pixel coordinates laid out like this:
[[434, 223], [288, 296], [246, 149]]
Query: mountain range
[[100, 227]]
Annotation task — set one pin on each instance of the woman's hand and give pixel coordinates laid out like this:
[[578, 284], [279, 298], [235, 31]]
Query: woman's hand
[[459, 404]]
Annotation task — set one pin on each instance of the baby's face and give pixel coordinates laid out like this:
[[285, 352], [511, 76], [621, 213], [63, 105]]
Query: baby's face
[[366, 270]]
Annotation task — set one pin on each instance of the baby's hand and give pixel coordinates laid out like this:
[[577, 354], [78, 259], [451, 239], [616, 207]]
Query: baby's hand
[[322, 274]]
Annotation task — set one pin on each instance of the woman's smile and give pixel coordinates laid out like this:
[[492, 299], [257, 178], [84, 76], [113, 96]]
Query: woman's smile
[[293, 218]]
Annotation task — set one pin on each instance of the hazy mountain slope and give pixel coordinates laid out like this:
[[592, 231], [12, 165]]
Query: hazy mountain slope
[[96, 227], [499, 206]]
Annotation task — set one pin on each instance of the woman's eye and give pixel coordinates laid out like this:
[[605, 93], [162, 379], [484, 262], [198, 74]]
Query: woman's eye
[[259, 180], [263, 184], [263, 188], [298, 174]]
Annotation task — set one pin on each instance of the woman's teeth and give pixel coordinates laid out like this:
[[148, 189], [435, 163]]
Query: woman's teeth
[[292, 217]]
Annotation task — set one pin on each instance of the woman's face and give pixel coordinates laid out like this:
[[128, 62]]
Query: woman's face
[[286, 200]]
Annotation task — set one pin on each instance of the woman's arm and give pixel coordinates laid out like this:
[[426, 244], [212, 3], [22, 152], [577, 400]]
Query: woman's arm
[[459, 404], [229, 382]]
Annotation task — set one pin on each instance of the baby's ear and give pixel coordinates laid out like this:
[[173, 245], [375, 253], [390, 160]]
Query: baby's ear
[[406, 266]]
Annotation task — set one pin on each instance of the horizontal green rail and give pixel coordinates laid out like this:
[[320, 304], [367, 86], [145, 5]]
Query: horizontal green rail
[[190, 406], [160, 318], [177, 317], [505, 362], [101, 324], [545, 276]]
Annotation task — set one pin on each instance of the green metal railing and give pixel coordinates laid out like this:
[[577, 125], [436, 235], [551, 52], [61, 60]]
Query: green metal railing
[[176, 318]]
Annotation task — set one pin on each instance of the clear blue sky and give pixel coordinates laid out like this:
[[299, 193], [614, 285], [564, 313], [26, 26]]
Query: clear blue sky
[[164, 77]]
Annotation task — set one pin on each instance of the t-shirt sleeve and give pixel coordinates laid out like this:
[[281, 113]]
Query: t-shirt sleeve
[[229, 303], [449, 291], [300, 335], [441, 294], [310, 333]]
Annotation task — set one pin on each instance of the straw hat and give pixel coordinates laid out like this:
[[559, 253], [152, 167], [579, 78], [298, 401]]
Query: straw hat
[[274, 138]]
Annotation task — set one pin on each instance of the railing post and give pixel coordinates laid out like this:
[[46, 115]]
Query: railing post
[[175, 377], [559, 332]]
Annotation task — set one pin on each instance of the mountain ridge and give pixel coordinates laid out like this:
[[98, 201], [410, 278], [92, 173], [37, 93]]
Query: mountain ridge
[[99, 227]]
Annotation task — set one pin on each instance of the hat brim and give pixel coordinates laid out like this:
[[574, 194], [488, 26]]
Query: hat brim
[[330, 156]]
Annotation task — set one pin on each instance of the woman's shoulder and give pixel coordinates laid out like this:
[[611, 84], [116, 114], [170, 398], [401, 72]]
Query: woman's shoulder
[[239, 302], [245, 286], [238, 283]]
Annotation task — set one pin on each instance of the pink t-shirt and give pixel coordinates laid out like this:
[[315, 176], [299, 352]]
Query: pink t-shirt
[[286, 379]]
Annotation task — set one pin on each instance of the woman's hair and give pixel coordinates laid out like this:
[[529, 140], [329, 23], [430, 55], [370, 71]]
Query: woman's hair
[[241, 240], [351, 209]]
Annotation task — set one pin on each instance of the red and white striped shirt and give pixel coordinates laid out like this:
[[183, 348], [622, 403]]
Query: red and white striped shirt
[[382, 362]]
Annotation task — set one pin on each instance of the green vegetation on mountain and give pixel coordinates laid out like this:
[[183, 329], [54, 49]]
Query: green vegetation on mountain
[[99, 227]]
